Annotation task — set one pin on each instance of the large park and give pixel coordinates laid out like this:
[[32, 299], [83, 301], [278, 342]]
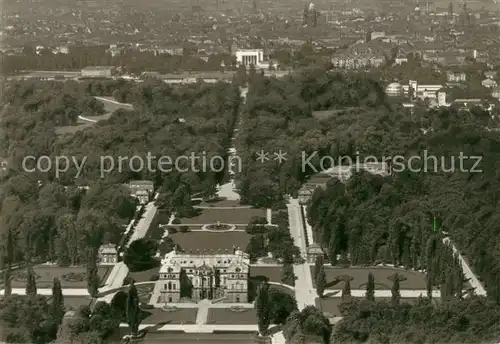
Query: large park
[[357, 257]]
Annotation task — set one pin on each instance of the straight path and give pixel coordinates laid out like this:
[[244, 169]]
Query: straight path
[[197, 338], [269, 216], [202, 315], [200, 328], [304, 291], [473, 280], [120, 270], [48, 292], [334, 293]]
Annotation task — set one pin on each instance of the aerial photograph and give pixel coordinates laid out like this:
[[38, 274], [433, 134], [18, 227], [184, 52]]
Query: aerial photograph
[[250, 172]]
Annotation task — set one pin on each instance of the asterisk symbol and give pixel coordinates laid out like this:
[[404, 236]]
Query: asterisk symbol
[[280, 156], [262, 156]]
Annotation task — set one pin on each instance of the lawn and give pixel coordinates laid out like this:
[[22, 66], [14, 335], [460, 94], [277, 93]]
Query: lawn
[[45, 276], [234, 216], [145, 292], [144, 276], [109, 108], [272, 273], [414, 279], [193, 241], [75, 302], [222, 203], [178, 316], [226, 316]]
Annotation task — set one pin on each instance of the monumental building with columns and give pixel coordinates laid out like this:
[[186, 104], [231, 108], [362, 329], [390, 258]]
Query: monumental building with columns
[[249, 57], [213, 275]]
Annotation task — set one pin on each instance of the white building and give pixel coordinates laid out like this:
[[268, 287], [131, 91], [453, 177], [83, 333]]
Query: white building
[[108, 254], [394, 89], [248, 57], [496, 93], [489, 83], [97, 72], [142, 190], [422, 91], [212, 275]]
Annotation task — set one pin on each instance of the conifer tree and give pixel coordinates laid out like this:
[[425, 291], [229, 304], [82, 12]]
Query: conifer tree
[[370, 288], [133, 310], [92, 275], [31, 282], [263, 308], [321, 281], [430, 284], [57, 300], [318, 264], [396, 295], [7, 282], [346, 291]]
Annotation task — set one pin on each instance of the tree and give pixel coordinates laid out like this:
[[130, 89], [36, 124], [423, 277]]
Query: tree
[[396, 295], [133, 310], [346, 290], [263, 308], [370, 288], [186, 286], [7, 282], [140, 255], [282, 305], [321, 281], [93, 279], [429, 284], [318, 264], [287, 275], [119, 305], [31, 282], [27, 319], [310, 323], [57, 300]]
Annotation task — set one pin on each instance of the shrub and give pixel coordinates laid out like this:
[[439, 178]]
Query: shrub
[[127, 280], [147, 306], [155, 277], [184, 229], [172, 230], [176, 221]]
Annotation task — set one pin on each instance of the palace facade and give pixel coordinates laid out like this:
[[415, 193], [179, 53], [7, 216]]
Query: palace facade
[[213, 275]]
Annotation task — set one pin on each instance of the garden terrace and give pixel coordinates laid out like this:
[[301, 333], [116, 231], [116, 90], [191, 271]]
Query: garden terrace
[[161, 337], [414, 279], [175, 316], [228, 316], [218, 203], [70, 277], [232, 216], [75, 302], [270, 273], [145, 276], [192, 241]]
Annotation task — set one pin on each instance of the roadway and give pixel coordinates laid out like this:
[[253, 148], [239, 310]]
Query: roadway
[[196, 338], [305, 294]]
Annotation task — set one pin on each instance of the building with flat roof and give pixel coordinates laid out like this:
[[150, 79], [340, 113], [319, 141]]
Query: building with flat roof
[[97, 72], [249, 57], [211, 275]]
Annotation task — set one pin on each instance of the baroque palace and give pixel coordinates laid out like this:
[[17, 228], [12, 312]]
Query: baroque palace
[[213, 275]]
